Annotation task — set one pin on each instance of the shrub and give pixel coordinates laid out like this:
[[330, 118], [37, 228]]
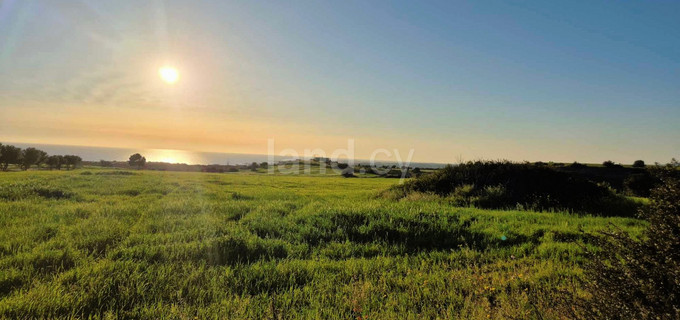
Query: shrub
[[639, 279], [640, 184], [492, 197], [505, 185], [348, 172], [611, 164], [213, 169], [577, 165], [106, 164], [371, 170], [462, 195], [638, 164]]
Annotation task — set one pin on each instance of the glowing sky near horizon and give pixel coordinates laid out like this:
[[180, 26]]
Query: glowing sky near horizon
[[575, 81]]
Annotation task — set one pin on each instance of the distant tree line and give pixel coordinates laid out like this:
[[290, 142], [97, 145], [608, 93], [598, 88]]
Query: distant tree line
[[26, 158]]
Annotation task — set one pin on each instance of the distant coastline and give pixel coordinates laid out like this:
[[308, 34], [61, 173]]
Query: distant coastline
[[188, 157]]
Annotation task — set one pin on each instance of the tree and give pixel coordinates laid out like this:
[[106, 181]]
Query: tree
[[54, 162], [72, 161], [9, 155], [253, 166], [638, 164], [137, 160], [42, 158], [61, 162], [609, 164], [264, 165], [29, 157]]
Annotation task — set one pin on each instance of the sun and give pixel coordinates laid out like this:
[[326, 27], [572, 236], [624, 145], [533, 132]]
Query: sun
[[168, 74]]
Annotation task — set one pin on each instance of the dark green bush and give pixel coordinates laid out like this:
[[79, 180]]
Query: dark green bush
[[638, 279], [507, 185], [640, 184], [610, 164], [638, 164], [348, 172], [577, 165]]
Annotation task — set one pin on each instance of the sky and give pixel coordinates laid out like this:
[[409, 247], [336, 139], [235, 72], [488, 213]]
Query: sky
[[567, 81]]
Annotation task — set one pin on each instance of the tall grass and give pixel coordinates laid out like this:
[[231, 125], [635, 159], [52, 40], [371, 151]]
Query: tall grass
[[182, 245]]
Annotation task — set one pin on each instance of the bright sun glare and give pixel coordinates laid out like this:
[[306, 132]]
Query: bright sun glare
[[169, 160], [168, 74], [170, 156]]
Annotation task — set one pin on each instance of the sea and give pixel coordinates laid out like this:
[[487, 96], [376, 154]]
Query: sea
[[182, 156]]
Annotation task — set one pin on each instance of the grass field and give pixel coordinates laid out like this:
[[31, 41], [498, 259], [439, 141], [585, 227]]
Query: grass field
[[98, 243]]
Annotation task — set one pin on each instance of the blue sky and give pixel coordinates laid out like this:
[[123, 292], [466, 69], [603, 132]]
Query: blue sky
[[532, 80]]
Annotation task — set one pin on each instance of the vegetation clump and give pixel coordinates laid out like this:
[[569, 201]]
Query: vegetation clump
[[115, 173], [639, 164], [638, 279], [508, 185], [19, 191]]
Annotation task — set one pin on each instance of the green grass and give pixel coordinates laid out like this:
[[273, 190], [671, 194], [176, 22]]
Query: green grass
[[249, 245]]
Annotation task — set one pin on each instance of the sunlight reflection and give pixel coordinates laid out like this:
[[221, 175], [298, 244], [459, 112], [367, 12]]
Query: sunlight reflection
[[172, 156]]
